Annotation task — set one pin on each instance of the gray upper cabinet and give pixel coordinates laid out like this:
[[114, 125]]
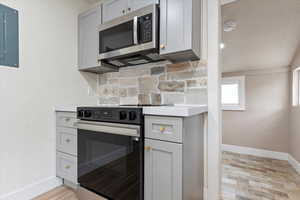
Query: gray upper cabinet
[[163, 170], [113, 9], [116, 8], [137, 4], [88, 23], [180, 33], [9, 36]]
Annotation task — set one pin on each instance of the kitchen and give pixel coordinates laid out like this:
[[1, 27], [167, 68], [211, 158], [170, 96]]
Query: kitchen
[[76, 79]]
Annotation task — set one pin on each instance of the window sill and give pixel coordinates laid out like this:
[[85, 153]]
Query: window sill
[[233, 108]]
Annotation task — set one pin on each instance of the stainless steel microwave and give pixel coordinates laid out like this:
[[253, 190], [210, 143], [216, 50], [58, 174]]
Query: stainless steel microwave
[[129, 40]]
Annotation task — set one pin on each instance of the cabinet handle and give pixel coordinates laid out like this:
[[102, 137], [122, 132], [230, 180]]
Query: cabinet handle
[[148, 148], [67, 119], [68, 167], [68, 140], [162, 129], [162, 46]]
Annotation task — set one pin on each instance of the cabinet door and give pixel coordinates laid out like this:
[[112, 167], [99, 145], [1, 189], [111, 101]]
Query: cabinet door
[[9, 37], [163, 170], [88, 23], [113, 9], [137, 4], [172, 26]]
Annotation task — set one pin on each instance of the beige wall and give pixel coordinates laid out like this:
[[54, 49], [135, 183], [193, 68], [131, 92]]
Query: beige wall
[[47, 76], [264, 124], [294, 141], [296, 59]]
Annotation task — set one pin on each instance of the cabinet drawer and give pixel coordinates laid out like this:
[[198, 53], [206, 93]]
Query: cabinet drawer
[[66, 167], [66, 140], [164, 128], [65, 119]]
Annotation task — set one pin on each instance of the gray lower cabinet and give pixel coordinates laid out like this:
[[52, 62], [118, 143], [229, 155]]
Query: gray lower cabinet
[[66, 147], [174, 158], [88, 23], [163, 170]]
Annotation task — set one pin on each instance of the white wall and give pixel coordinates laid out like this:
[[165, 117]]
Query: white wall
[[265, 122], [47, 77]]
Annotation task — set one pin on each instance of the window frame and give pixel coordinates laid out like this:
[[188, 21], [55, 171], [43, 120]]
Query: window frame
[[240, 80], [296, 87]]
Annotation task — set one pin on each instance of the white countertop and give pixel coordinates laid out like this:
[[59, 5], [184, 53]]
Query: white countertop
[[65, 108], [173, 111]]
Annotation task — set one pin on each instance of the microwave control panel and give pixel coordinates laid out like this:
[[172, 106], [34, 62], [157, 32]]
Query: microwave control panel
[[145, 28]]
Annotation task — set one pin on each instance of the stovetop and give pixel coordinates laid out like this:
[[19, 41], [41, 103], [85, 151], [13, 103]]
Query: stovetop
[[144, 105]]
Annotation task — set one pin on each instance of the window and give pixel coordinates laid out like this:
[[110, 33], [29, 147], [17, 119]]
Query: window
[[296, 87], [233, 93]]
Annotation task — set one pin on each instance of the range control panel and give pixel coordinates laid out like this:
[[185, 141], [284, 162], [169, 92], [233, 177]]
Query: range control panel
[[126, 115]]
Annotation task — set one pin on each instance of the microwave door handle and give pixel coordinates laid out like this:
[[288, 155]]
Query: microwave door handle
[[135, 30]]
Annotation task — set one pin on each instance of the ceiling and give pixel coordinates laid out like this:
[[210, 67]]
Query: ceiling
[[266, 36], [222, 1]]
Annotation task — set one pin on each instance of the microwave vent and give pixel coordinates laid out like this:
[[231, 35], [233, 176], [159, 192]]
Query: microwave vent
[[138, 62], [116, 63], [154, 56]]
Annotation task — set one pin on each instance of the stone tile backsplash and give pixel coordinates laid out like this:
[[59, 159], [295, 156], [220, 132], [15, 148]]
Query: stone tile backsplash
[[159, 83]]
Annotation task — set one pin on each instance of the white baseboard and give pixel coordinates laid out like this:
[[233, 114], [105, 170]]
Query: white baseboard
[[294, 163], [33, 190], [255, 152], [263, 153]]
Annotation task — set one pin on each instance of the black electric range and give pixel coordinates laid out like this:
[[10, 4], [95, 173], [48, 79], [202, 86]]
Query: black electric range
[[111, 151]]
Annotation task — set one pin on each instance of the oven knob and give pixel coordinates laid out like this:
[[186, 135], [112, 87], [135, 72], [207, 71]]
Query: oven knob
[[123, 115], [132, 116], [87, 113], [80, 114]]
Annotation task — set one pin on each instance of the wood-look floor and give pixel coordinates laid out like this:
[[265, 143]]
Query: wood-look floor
[[60, 193], [244, 178], [248, 177]]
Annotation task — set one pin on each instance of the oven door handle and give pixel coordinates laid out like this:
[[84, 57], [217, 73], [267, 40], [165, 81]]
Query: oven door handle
[[108, 128]]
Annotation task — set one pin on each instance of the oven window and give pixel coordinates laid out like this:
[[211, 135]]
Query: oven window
[[117, 37], [109, 164]]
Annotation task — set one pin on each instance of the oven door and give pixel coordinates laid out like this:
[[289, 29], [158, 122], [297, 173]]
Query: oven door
[[130, 34], [110, 160]]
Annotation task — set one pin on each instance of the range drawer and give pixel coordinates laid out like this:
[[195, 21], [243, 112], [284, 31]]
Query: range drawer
[[66, 119], [164, 128], [66, 140], [66, 167]]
